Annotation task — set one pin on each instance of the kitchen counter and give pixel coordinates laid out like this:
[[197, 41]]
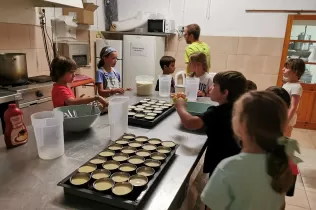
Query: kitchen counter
[[28, 182]]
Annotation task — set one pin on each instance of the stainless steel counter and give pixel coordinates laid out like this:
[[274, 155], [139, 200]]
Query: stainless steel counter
[[28, 182]]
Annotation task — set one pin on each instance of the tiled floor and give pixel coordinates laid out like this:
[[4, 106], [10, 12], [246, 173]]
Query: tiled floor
[[305, 192]]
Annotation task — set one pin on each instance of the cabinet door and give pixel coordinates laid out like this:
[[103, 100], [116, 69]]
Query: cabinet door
[[304, 112], [313, 111]]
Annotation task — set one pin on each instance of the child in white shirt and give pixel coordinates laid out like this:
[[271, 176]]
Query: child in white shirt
[[199, 67], [292, 72]]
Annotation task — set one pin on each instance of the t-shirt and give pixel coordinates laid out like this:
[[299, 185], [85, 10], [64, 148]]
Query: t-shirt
[[293, 89], [197, 47], [172, 89], [206, 81], [60, 93], [109, 80], [241, 182], [221, 142]]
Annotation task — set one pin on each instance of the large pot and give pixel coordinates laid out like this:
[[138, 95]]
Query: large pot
[[302, 46], [13, 69]]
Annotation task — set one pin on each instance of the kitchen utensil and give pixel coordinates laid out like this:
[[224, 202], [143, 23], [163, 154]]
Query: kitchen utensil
[[191, 88], [304, 46], [164, 85], [49, 134], [83, 119], [13, 69], [118, 116]]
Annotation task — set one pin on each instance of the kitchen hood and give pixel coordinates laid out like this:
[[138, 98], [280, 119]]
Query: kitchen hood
[[58, 3]]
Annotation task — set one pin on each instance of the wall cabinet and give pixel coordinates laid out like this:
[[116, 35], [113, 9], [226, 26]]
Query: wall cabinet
[[300, 42]]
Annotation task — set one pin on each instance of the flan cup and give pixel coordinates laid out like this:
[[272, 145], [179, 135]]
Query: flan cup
[[135, 144], [145, 171], [143, 153], [169, 144], [111, 165], [100, 174], [123, 142], [128, 150], [128, 168], [155, 164], [103, 185], [115, 147], [80, 179], [122, 189], [149, 147], [158, 156], [154, 141], [99, 160], [120, 177], [128, 136], [138, 181], [141, 139], [164, 150], [107, 153], [120, 157], [87, 168], [136, 160]]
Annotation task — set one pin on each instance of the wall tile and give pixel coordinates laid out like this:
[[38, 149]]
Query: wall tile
[[19, 36], [222, 44], [4, 36], [271, 65], [180, 62], [173, 44], [270, 46], [41, 61], [248, 46], [263, 81], [36, 37], [246, 63], [218, 62]]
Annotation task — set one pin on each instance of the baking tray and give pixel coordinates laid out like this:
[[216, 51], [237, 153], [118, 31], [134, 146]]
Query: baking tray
[[134, 202], [150, 123]]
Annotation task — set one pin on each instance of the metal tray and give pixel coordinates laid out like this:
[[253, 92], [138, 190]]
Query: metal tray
[[150, 123], [133, 202]]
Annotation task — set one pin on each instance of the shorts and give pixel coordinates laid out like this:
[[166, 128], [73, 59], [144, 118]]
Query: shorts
[[290, 192]]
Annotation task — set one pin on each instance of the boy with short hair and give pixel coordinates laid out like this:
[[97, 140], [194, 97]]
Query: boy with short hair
[[292, 72], [251, 85], [167, 64], [227, 87]]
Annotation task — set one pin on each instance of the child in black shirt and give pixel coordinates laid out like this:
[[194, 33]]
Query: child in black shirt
[[221, 143], [167, 64]]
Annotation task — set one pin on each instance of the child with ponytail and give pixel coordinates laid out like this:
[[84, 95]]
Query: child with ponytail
[[260, 175]]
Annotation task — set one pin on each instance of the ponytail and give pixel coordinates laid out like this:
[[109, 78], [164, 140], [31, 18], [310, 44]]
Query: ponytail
[[101, 63], [279, 170]]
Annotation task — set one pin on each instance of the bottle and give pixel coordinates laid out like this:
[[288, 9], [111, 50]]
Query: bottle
[[15, 133]]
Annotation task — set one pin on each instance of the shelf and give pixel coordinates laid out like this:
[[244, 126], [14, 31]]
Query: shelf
[[307, 41], [311, 63], [138, 33]]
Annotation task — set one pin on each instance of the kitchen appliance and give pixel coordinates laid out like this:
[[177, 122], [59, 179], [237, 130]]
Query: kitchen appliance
[[78, 51], [303, 46], [116, 44], [141, 57], [13, 69], [161, 25]]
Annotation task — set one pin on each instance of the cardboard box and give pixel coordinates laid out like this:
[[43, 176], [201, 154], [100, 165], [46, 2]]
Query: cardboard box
[[83, 16]]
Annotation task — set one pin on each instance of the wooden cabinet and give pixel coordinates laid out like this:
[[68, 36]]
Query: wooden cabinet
[[296, 25]]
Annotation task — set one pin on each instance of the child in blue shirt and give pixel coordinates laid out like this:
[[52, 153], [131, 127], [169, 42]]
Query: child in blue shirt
[[260, 175], [107, 78]]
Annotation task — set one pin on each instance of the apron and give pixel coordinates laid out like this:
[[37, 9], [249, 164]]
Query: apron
[[195, 187], [111, 81]]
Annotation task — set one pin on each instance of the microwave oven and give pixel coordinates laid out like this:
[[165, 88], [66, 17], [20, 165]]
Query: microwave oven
[[161, 25], [79, 52]]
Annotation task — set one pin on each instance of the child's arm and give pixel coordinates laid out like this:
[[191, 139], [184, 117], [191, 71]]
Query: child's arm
[[102, 92], [295, 100], [78, 101], [188, 121]]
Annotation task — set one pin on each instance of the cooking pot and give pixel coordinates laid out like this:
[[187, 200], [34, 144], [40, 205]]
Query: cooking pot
[[13, 69], [304, 46]]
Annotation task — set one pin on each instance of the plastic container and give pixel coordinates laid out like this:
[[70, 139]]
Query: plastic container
[[144, 85], [49, 133], [164, 85], [191, 88], [15, 133], [118, 116]]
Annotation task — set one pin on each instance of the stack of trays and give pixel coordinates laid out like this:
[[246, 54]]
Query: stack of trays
[[149, 110], [124, 169]]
